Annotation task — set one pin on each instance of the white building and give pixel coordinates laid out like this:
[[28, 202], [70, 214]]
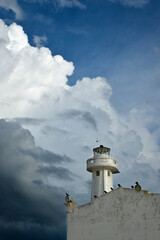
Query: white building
[[121, 214], [102, 166]]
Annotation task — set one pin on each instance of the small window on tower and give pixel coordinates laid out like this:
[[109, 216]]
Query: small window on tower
[[97, 173], [108, 173]]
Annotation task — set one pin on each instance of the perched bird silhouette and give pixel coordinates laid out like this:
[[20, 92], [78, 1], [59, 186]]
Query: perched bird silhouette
[[105, 191], [119, 185], [137, 187], [132, 186], [68, 198], [111, 188]]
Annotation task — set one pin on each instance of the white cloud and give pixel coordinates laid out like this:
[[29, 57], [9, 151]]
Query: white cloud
[[30, 72], [17, 39], [39, 40], [68, 119], [14, 6], [70, 3], [146, 123], [61, 3], [19, 13], [132, 3]]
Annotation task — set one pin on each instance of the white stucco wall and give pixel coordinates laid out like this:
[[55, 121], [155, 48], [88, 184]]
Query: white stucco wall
[[122, 214]]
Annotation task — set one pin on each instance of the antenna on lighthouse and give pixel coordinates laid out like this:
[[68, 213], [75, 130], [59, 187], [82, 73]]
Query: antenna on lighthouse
[[97, 142]]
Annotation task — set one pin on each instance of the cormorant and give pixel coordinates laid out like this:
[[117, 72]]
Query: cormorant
[[137, 187]]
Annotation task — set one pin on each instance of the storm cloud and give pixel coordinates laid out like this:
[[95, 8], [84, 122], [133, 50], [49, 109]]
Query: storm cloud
[[30, 208]]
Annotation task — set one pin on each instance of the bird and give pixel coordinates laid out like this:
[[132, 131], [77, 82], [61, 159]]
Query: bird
[[95, 196], [105, 191], [68, 198], [132, 186], [111, 188], [119, 185], [137, 187]]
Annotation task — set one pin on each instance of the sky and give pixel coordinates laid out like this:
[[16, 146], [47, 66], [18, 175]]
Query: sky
[[72, 72]]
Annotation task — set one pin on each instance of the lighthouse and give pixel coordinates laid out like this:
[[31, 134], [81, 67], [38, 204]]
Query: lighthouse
[[102, 166]]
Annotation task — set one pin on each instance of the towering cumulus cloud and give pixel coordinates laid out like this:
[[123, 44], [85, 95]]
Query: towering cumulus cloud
[[28, 74], [34, 90], [36, 100]]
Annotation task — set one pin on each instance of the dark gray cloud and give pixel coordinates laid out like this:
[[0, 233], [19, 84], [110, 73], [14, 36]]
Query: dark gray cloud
[[49, 130], [29, 207], [86, 116], [29, 121], [45, 155], [57, 171], [18, 230]]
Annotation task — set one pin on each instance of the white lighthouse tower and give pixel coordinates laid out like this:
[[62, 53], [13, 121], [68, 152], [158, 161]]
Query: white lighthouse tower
[[102, 166]]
